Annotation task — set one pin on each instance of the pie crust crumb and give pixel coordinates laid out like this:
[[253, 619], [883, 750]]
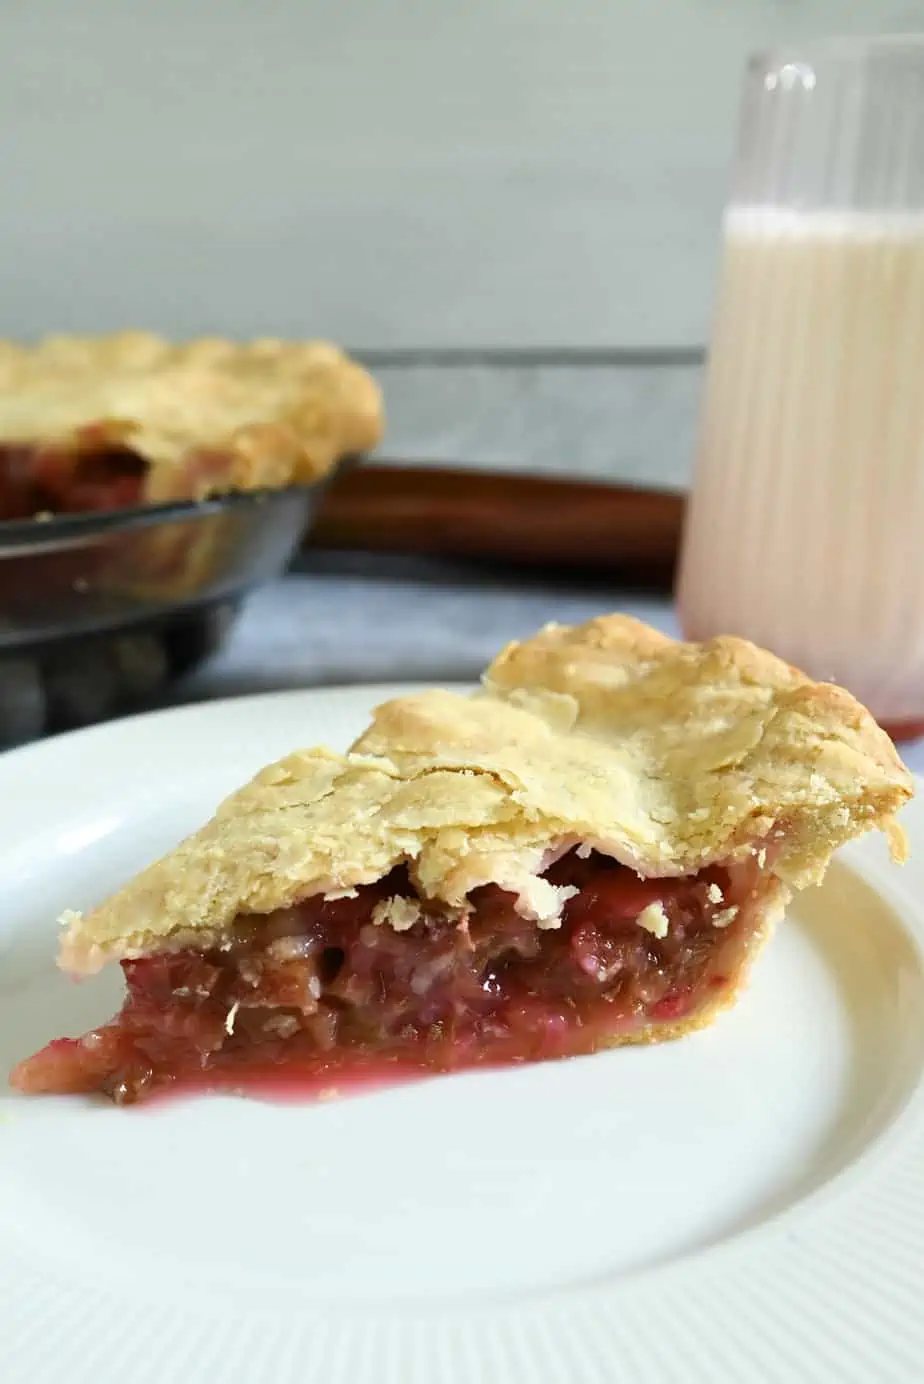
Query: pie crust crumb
[[654, 920]]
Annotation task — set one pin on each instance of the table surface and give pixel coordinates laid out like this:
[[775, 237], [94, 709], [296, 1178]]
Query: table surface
[[346, 619]]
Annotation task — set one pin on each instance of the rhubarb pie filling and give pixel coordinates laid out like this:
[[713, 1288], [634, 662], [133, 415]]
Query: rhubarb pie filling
[[97, 476], [383, 976], [38, 479]]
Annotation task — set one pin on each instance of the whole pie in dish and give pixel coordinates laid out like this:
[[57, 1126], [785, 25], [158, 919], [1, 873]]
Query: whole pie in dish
[[92, 423], [588, 851]]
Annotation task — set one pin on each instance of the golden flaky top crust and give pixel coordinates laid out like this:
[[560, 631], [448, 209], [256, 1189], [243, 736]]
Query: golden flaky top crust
[[277, 412], [664, 755]]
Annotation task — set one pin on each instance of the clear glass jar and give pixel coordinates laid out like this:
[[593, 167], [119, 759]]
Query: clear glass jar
[[805, 528]]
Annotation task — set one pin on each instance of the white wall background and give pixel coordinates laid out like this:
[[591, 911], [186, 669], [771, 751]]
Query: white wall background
[[389, 172]]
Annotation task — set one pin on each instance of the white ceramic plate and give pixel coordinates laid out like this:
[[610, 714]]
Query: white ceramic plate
[[745, 1205]]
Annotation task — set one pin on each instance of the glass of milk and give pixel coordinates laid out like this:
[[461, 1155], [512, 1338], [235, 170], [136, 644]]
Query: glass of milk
[[805, 530]]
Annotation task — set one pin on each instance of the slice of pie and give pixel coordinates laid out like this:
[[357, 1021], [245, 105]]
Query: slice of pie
[[588, 851], [89, 423]]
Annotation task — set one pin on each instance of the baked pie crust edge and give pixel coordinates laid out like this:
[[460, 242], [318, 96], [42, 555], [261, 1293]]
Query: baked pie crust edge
[[207, 416]]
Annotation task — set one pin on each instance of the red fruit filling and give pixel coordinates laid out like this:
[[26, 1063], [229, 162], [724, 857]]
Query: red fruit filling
[[315, 990], [37, 478]]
